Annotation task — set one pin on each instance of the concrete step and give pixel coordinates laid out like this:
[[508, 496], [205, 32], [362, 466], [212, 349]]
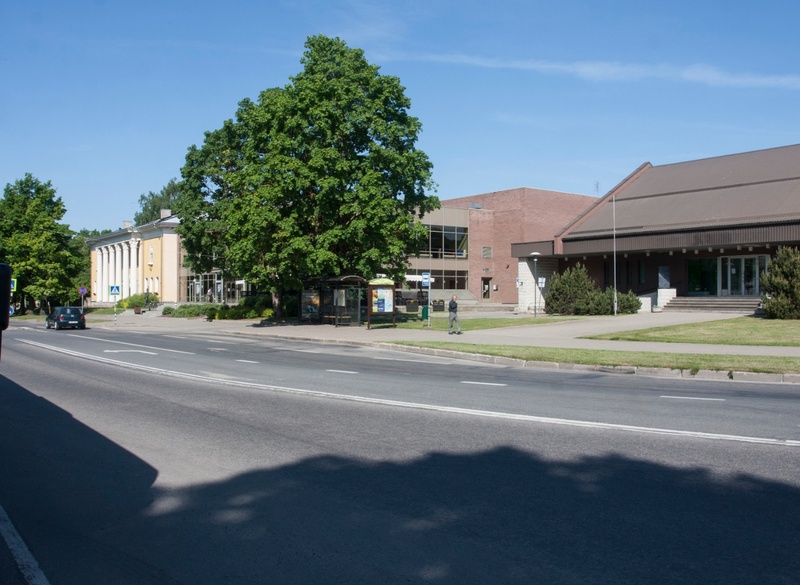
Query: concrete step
[[745, 305]]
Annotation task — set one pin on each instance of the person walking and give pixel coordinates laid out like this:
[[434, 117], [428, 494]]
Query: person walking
[[452, 308]]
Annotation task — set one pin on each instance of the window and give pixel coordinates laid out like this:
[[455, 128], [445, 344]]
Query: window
[[486, 252], [447, 242]]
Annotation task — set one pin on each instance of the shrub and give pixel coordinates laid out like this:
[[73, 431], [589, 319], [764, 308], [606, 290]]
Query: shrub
[[574, 293], [569, 290], [781, 285], [192, 310], [137, 300], [168, 310]]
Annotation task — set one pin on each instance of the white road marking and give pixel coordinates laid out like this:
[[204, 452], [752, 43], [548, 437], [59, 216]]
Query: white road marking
[[341, 371], [217, 348], [247, 361], [482, 383], [693, 398], [131, 344], [22, 555], [420, 361], [129, 351], [430, 407], [296, 350]]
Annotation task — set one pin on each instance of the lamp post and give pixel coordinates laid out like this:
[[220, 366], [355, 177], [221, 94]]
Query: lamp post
[[535, 256]]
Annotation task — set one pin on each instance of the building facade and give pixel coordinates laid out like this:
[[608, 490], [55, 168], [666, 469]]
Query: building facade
[[699, 228], [470, 239], [150, 258]]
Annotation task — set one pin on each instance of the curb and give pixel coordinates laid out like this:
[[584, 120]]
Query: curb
[[624, 370]]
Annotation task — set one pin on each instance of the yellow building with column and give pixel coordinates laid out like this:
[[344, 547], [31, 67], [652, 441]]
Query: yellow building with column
[[138, 259]]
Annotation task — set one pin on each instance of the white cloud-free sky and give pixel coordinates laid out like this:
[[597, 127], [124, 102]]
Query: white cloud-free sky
[[103, 97]]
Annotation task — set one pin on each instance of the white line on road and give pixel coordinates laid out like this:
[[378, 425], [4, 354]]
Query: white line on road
[[482, 383], [421, 406], [247, 361], [693, 398], [131, 344], [296, 350], [22, 555], [129, 351], [420, 361], [341, 371], [217, 348]]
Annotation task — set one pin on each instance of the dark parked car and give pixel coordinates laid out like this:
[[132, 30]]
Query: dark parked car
[[62, 317]]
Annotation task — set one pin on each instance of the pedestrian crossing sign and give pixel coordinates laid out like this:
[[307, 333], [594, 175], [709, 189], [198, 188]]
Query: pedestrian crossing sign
[[113, 290]]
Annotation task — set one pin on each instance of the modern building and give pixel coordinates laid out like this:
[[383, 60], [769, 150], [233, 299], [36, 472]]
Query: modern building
[[699, 228], [470, 239]]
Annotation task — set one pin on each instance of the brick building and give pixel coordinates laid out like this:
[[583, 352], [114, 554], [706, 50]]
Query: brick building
[[469, 248]]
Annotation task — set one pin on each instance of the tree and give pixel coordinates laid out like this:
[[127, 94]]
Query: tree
[[319, 178], [33, 242], [151, 204], [81, 251], [781, 285]]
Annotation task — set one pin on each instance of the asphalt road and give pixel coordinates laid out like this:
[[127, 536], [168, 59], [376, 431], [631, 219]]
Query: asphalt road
[[223, 460]]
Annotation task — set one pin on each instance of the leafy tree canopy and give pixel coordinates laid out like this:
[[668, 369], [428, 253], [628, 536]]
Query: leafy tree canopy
[[151, 204], [33, 242], [318, 178]]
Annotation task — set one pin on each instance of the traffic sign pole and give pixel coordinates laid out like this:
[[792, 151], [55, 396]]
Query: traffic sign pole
[[426, 281], [113, 290]]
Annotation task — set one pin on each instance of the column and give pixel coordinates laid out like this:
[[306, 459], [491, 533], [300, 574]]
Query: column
[[135, 267], [104, 269], [126, 270], [98, 277], [114, 269]]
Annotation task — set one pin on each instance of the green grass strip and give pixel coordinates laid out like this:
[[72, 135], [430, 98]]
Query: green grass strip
[[677, 361], [737, 331]]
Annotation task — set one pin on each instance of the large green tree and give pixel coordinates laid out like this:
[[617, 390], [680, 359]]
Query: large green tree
[[151, 204], [319, 178], [34, 243]]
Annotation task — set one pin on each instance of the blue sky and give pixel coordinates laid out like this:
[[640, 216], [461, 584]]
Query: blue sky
[[102, 98]]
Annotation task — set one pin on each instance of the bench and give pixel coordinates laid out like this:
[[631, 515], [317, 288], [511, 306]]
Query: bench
[[336, 320]]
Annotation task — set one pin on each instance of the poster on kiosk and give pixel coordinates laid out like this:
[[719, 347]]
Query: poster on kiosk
[[380, 300]]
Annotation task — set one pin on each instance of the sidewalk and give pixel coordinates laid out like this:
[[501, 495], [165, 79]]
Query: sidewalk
[[563, 334]]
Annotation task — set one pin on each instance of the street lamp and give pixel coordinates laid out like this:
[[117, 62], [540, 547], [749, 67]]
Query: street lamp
[[535, 256]]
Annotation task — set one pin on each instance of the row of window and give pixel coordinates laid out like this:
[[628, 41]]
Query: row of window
[[446, 242], [443, 279]]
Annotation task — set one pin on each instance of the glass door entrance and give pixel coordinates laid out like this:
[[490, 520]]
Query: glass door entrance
[[741, 276]]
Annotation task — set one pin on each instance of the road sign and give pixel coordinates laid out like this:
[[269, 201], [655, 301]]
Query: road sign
[[13, 285], [10, 311], [82, 291], [113, 290], [426, 278]]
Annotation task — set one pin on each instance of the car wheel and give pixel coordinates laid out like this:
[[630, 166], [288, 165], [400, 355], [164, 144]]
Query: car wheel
[[57, 327], [46, 324]]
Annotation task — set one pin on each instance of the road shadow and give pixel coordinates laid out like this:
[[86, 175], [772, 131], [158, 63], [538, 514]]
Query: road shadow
[[496, 516]]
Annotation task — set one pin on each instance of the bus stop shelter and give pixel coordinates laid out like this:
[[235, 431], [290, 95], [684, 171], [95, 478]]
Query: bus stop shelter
[[336, 301]]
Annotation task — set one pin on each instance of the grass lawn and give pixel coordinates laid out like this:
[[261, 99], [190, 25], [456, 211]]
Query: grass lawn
[[440, 322], [640, 359], [740, 331], [737, 331]]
